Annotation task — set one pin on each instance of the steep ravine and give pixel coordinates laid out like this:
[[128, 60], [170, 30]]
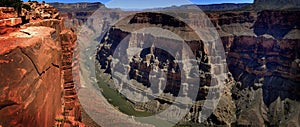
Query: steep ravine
[[262, 50], [262, 56], [140, 66]]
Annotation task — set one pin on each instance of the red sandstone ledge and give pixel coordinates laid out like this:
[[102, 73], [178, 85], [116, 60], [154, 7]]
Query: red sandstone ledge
[[24, 38]]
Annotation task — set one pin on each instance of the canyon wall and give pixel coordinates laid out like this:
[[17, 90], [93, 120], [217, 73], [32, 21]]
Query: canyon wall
[[76, 14], [28, 64], [262, 87], [264, 60], [157, 60], [70, 73], [36, 74]]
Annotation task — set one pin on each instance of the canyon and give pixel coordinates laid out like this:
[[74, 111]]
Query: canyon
[[262, 56], [255, 83]]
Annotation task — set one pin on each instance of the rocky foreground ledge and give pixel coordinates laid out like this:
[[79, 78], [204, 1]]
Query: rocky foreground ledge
[[36, 87]]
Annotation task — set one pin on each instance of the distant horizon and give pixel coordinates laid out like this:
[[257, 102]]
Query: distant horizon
[[138, 4]]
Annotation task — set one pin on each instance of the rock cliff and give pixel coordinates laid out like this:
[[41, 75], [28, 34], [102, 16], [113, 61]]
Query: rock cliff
[[29, 60], [36, 73], [156, 60], [264, 62], [262, 56]]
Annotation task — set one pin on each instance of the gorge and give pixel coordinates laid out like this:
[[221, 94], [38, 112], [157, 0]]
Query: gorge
[[262, 88], [257, 80]]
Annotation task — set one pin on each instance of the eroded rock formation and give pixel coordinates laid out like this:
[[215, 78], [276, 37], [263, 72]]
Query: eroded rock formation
[[265, 64], [36, 61], [158, 60], [28, 63], [262, 56]]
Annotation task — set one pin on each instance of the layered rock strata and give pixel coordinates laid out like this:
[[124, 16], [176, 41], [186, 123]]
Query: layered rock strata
[[72, 111], [9, 17], [36, 85], [262, 56], [158, 60], [29, 61]]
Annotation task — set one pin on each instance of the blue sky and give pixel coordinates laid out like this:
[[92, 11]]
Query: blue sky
[[150, 3]]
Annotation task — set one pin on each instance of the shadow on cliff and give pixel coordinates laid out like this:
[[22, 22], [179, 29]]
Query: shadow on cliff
[[115, 36]]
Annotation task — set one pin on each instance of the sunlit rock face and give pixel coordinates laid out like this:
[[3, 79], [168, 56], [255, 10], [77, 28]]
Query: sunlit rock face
[[37, 81], [31, 81]]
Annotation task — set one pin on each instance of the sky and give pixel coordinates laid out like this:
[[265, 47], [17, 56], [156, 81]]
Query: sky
[[150, 3]]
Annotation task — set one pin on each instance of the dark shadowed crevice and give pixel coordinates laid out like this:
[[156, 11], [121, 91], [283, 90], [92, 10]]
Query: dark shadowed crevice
[[7, 103], [55, 65]]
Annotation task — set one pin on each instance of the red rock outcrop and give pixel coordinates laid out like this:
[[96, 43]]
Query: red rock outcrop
[[30, 78], [36, 62], [7, 12], [70, 72], [8, 17]]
